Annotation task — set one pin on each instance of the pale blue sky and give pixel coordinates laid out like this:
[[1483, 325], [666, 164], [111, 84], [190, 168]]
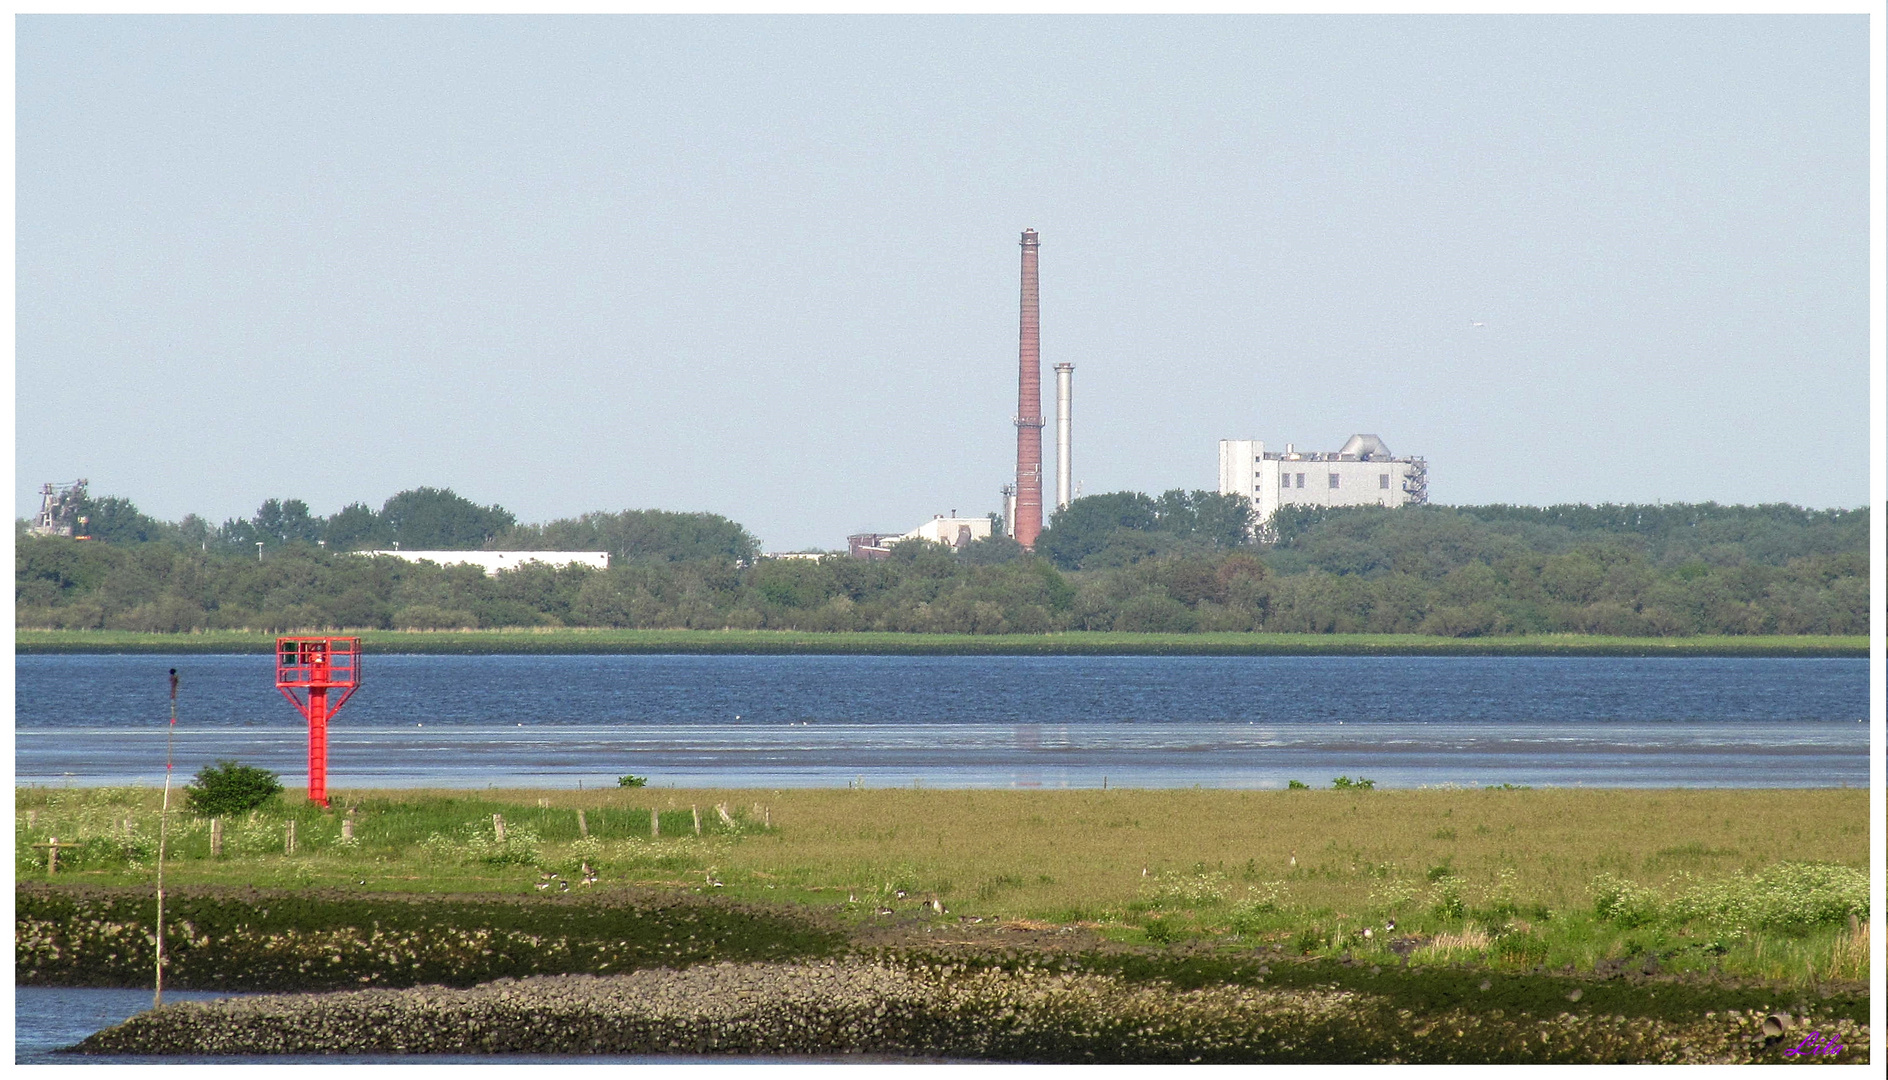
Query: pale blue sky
[[767, 266]]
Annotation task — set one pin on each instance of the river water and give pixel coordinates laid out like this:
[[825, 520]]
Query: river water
[[953, 721]]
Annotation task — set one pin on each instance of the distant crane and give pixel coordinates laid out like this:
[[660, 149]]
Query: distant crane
[[59, 510]]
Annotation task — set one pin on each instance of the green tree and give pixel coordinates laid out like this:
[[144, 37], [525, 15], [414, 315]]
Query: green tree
[[640, 535], [116, 521], [229, 787], [437, 519], [353, 527], [1086, 525]]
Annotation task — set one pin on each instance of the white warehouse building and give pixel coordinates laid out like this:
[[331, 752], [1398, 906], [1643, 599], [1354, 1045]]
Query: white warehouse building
[[1363, 473], [494, 561]]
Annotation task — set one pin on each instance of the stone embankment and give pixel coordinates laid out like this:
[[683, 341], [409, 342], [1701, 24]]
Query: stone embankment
[[1032, 1014]]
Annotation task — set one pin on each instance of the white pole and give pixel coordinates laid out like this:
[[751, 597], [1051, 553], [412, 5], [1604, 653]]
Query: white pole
[[163, 820], [1064, 374]]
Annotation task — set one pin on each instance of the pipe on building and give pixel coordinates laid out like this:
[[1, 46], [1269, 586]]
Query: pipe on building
[[1064, 374], [1029, 404]]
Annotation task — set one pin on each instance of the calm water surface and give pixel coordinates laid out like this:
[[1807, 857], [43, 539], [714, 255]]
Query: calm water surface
[[784, 721]]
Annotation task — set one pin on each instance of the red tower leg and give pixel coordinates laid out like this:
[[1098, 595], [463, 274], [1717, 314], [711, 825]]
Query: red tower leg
[[318, 745]]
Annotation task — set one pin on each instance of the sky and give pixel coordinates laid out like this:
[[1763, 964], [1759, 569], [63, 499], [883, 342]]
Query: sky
[[767, 266]]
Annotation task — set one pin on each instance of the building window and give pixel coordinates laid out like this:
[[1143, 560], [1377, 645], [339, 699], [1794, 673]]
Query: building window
[[1383, 481], [1301, 479], [1333, 481]]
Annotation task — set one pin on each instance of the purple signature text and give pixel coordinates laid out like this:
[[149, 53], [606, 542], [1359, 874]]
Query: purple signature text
[[1816, 1043]]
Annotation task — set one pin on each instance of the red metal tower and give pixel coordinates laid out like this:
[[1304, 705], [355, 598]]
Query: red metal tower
[[317, 665], [1028, 523]]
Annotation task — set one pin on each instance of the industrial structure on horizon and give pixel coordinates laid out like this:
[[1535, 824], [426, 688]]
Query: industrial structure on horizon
[[1026, 519], [958, 532], [59, 510], [1362, 473], [1022, 500]]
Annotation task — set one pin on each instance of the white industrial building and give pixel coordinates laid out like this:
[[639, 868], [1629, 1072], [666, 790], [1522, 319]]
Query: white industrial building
[[1362, 473], [494, 561], [957, 532]]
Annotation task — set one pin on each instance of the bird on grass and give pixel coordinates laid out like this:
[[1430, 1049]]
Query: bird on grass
[[1294, 856]]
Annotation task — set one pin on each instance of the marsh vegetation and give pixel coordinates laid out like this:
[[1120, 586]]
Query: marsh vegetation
[[1761, 884]]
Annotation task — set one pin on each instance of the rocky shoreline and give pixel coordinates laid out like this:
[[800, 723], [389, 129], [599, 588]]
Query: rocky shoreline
[[864, 1006]]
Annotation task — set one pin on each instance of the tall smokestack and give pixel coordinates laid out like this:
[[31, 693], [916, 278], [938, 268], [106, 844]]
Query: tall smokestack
[[1064, 373], [1029, 405]]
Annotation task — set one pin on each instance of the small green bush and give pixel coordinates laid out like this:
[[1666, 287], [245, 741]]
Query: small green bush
[[1297, 785], [632, 781], [1620, 901], [1446, 900], [228, 788], [1523, 948], [1345, 783], [1250, 915], [1162, 932]]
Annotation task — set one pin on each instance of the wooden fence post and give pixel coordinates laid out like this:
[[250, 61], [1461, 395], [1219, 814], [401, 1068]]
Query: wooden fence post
[[655, 822], [52, 846], [696, 810], [583, 827], [347, 828], [498, 826], [722, 809], [216, 838], [288, 842]]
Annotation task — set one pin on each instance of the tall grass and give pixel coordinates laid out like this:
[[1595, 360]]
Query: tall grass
[[1686, 879]]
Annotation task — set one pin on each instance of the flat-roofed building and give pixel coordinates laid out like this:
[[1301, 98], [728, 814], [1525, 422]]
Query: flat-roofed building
[[956, 532], [494, 561], [1362, 473]]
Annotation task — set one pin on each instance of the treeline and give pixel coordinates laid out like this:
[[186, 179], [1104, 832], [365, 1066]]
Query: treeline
[[1126, 562], [424, 519]]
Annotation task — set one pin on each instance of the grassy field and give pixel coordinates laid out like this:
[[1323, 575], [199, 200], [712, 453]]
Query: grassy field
[[1755, 883], [567, 640]]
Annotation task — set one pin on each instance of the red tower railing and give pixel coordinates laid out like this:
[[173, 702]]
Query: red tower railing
[[314, 666]]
